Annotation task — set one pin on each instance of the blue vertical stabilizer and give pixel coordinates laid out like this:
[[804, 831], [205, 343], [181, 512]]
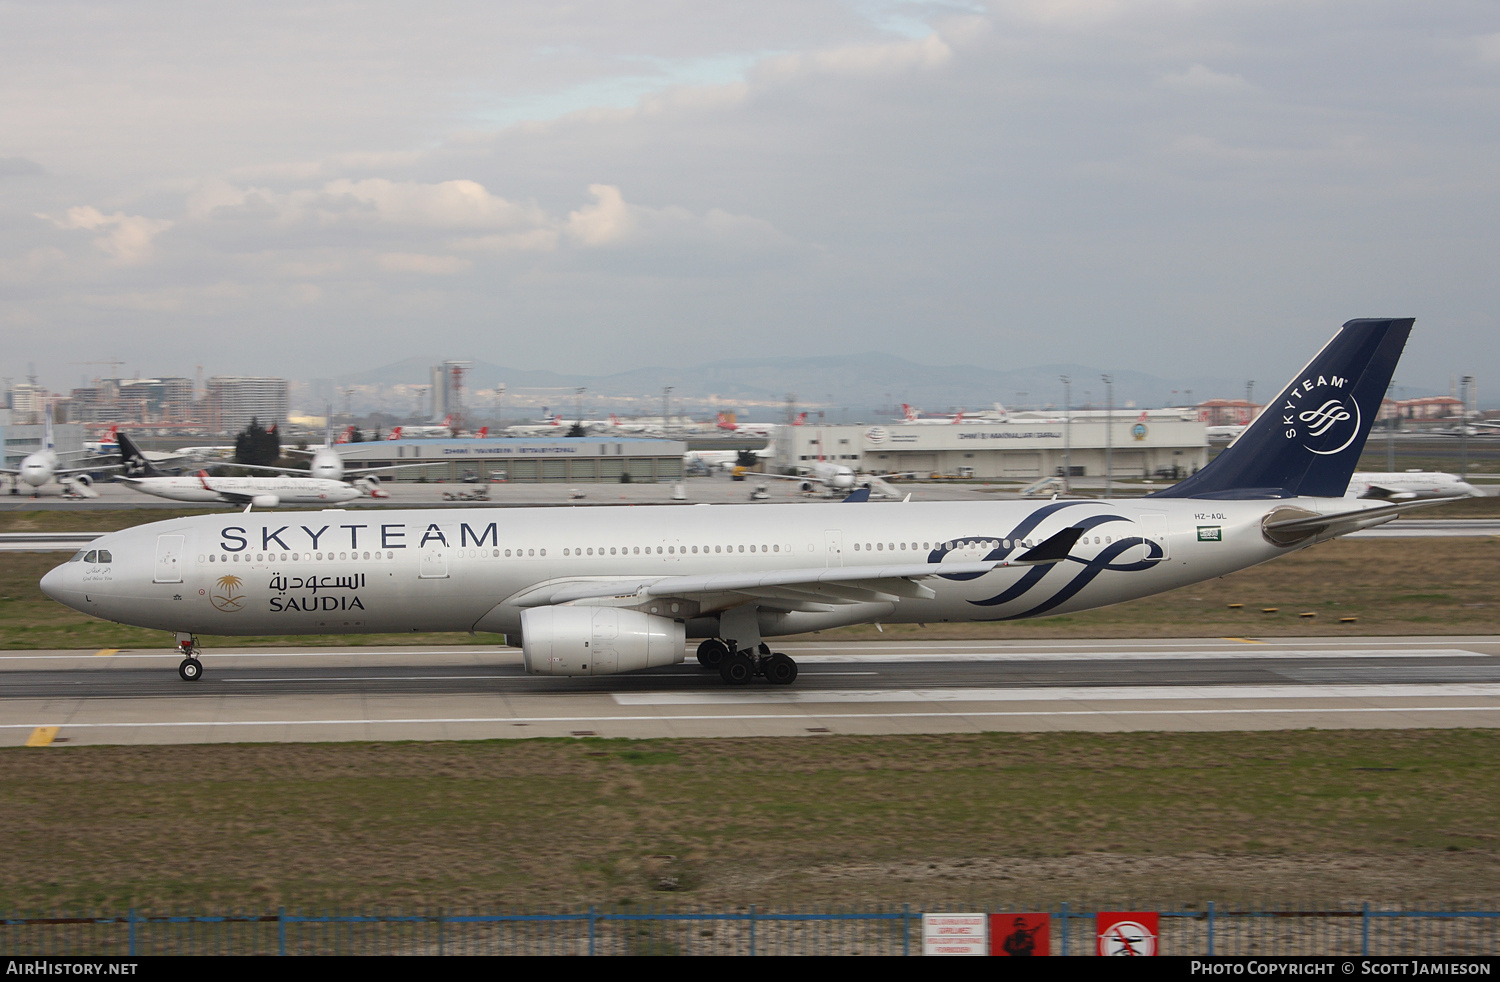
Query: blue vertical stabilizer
[[1307, 441]]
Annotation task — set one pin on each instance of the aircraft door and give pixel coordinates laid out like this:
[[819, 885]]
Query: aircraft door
[[833, 546], [433, 564], [168, 559], [1153, 526]]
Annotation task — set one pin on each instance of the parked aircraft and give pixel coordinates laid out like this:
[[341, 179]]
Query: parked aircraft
[[1407, 485], [726, 460], [595, 591], [328, 464], [1224, 433], [264, 492], [724, 424], [547, 427], [42, 467]]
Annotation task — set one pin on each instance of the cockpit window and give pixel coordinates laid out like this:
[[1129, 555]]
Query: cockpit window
[[78, 556], [104, 556], [92, 556]]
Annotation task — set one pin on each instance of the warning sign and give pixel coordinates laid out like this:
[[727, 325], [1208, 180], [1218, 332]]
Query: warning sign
[[1127, 933], [1020, 934], [954, 934]]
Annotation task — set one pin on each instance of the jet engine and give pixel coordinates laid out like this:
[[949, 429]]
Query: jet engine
[[370, 485], [82, 480], [265, 500], [598, 640]]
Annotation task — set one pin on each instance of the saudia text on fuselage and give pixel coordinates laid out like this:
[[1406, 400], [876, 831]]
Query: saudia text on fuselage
[[310, 600]]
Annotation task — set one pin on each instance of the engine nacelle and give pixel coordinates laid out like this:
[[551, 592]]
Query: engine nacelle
[[598, 640], [265, 500]]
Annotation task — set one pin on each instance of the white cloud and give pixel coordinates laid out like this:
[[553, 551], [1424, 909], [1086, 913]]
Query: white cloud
[[604, 222], [125, 239], [412, 262]]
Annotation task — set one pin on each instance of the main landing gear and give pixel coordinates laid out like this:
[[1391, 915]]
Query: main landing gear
[[741, 667], [191, 669]]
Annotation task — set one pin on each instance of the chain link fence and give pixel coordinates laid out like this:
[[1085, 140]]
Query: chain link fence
[[1365, 930]]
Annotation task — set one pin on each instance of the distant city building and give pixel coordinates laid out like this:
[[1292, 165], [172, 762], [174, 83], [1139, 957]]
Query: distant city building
[[234, 401], [1432, 407], [27, 402], [1227, 412]]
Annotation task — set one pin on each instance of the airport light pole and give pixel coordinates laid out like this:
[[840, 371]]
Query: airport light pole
[[1109, 434], [1390, 429], [1463, 426], [1067, 433], [666, 395]]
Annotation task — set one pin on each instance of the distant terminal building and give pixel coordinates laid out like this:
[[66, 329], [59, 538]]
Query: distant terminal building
[[1144, 445], [569, 460], [233, 401]]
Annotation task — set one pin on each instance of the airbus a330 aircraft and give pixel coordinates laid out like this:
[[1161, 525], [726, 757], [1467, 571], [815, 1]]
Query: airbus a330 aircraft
[[602, 590]]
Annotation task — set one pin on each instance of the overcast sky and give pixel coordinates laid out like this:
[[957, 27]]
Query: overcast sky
[[1176, 187]]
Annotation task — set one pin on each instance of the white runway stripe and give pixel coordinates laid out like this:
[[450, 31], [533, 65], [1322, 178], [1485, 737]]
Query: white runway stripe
[[717, 717], [1062, 694]]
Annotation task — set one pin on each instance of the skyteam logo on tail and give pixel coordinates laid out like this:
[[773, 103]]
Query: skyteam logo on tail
[[1316, 413]]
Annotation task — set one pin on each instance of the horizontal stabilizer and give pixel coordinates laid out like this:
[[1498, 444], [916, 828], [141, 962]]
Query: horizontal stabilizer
[[1300, 525]]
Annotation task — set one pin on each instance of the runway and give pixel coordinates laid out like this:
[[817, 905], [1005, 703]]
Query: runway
[[416, 693]]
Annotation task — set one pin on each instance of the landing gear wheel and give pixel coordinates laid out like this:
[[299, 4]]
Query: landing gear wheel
[[191, 669], [712, 652], [780, 670], [737, 669]]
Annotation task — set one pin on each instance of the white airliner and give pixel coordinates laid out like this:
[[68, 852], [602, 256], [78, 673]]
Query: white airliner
[[45, 465], [1407, 485], [262, 492], [327, 464], [603, 590]]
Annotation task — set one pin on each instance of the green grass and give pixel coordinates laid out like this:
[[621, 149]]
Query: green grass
[[838, 819]]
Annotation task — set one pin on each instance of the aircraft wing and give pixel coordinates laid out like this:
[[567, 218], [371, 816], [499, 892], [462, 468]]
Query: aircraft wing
[[816, 588], [301, 471]]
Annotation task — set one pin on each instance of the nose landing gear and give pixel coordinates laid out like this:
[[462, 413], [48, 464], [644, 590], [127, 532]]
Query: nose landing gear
[[190, 669]]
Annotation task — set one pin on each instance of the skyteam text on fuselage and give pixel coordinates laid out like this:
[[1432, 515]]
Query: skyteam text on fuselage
[[603, 590]]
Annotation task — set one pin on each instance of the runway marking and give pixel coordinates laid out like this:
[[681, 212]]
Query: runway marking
[[989, 714], [1062, 694], [471, 678], [42, 736], [1238, 654], [107, 651], [1245, 640]]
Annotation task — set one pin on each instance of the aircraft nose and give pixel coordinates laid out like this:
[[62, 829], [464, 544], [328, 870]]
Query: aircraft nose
[[54, 582]]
